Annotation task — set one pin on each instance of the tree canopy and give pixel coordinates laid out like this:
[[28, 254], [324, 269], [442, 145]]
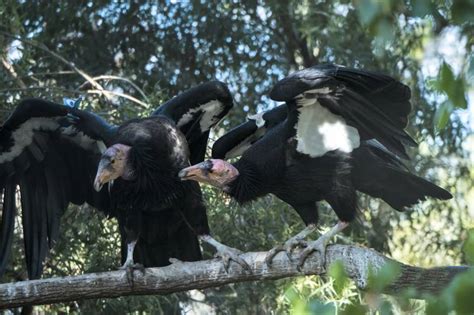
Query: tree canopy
[[126, 58]]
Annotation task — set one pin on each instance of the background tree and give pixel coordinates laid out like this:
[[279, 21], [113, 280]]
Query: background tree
[[128, 57]]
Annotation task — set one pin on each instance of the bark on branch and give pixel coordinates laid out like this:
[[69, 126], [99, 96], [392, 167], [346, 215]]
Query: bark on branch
[[205, 274]]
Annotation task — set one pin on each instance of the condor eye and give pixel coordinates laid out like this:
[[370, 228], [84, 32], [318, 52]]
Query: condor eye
[[112, 161]]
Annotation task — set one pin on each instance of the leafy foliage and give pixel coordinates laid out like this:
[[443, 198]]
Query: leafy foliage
[[142, 53]]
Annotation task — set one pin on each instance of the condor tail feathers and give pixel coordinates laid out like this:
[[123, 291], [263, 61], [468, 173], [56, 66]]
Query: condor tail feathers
[[381, 176]]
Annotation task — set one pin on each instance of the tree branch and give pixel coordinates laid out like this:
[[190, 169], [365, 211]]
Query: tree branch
[[182, 276]]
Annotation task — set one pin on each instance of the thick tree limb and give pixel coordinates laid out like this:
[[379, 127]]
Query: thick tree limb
[[210, 273]]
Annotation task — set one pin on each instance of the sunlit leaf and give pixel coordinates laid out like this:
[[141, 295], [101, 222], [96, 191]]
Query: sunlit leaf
[[468, 247], [452, 86], [442, 115], [368, 10], [462, 289], [354, 309], [437, 306], [446, 77], [318, 307], [386, 308], [422, 8], [462, 11], [379, 280], [470, 70], [338, 273], [385, 29]]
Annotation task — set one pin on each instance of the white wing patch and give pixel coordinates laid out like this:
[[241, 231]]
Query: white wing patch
[[324, 90], [180, 144], [82, 140], [209, 109], [258, 118], [319, 131], [243, 146], [23, 136]]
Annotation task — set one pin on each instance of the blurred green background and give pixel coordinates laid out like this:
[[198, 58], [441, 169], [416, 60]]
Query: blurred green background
[[143, 53]]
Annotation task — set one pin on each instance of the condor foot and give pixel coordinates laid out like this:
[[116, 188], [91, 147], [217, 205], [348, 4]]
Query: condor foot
[[228, 254], [316, 246], [129, 266], [287, 247]]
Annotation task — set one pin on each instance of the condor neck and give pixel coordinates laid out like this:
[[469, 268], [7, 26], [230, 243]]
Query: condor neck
[[248, 185], [149, 182]]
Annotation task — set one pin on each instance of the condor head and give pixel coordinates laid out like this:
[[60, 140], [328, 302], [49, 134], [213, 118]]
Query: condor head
[[113, 164], [218, 173]]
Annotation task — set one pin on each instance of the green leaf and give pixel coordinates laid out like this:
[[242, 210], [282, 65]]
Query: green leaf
[[437, 306], [462, 289], [468, 247], [433, 84], [442, 115], [446, 77], [338, 273], [368, 10], [379, 280], [461, 11], [458, 96], [386, 308], [318, 307], [384, 29], [422, 8], [470, 70], [354, 309], [453, 87]]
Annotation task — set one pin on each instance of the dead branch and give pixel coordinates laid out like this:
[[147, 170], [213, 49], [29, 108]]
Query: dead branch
[[184, 276]]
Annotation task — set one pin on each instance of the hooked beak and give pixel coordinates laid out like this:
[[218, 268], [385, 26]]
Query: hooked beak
[[215, 172], [102, 177], [198, 172]]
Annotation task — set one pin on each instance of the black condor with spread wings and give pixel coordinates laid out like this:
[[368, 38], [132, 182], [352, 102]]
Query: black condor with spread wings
[[340, 131], [58, 155]]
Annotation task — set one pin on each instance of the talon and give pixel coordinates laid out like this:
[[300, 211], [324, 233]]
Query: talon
[[226, 253], [318, 246], [288, 247], [173, 260], [232, 255], [129, 267]]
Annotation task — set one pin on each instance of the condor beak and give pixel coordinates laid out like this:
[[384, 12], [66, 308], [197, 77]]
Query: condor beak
[[102, 177], [198, 172]]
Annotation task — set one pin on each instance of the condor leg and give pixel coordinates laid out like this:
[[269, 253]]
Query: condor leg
[[132, 227], [320, 244]]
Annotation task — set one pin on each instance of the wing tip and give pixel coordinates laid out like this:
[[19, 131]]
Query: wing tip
[[221, 89]]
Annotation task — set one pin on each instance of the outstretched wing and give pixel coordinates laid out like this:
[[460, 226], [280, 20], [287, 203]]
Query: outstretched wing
[[235, 142], [196, 111], [53, 163], [332, 107]]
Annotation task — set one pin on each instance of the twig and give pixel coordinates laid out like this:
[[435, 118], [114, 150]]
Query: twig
[[129, 97], [32, 88], [57, 56], [113, 77], [9, 67]]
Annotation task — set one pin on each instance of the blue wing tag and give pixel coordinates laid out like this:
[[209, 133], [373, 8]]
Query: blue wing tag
[[73, 103]]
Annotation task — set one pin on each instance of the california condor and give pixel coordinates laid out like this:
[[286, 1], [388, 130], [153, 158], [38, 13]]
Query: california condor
[[57, 155], [340, 131]]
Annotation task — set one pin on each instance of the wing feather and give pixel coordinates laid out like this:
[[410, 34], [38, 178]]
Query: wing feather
[[196, 111], [375, 104], [238, 140], [8, 222], [52, 168]]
